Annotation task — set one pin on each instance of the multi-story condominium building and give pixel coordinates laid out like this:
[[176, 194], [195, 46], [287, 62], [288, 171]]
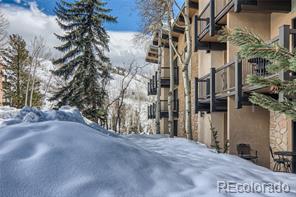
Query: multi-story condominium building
[[218, 77]]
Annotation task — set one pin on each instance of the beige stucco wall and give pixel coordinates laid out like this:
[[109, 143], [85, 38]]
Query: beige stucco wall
[[249, 125], [213, 59], [260, 26], [279, 19], [164, 92], [204, 135], [165, 57], [219, 122], [202, 4], [164, 126]]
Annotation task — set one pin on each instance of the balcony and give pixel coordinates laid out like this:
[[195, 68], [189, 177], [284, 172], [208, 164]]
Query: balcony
[[212, 90], [164, 113], [165, 77], [152, 111], [214, 16], [164, 80], [152, 86], [230, 79], [176, 72]]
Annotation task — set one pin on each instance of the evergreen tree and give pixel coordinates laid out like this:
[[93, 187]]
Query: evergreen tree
[[281, 60], [16, 59], [85, 66]]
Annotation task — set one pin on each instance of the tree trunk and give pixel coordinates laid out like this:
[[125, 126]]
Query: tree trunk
[[48, 84], [33, 85], [172, 81], [158, 104], [187, 89], [18, 84], [28, 87], [188, 125]]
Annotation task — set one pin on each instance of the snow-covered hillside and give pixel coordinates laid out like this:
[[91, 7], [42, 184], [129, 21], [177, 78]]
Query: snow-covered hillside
[[62, 156], [136, 99]]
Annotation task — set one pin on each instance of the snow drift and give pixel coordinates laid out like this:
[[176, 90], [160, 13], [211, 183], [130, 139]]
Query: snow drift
[[65, 159], [7, 112], [57, 153], [11, 116]]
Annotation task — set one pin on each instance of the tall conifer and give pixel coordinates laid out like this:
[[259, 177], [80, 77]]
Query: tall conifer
[[85, 67]]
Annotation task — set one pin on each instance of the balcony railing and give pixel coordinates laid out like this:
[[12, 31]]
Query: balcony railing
[[164, 112], [152, 86], [231, 78], [210, 18], [152, 111], [228, 80], [206, 14], [165, 80], [176, 75]]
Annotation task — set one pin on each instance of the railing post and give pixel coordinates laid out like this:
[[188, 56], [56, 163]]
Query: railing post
[[196, 38], [284, 36], [284, 41], [237, 6], [213, 90], [212, 29], [196, 95], [238, 83], [153, 82]]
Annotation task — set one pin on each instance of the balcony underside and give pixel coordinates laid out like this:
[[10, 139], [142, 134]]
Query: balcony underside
[[166, 114], [165, 83], [205, 105], [220, 103]]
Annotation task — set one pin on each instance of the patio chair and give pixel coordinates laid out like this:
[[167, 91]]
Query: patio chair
[[280, 162], [244, 151]]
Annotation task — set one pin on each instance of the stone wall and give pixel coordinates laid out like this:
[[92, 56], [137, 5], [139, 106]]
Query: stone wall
[[280, 133]]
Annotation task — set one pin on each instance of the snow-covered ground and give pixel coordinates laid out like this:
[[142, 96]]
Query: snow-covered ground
[[58, 153], [7, 113]]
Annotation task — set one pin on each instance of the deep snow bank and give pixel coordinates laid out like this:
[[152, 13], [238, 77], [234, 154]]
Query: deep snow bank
[[58, 154], [12, 116], [64, 159], [7, 112]]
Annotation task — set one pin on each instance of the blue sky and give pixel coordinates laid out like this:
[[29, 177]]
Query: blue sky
[[30, 18], [128, 19]]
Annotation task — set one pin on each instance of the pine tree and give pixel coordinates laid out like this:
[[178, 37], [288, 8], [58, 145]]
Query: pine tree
[[16, 59], [281, 60], [85, 66]]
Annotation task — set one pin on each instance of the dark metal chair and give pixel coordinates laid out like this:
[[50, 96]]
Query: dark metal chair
[[244, 151], [280, 162]]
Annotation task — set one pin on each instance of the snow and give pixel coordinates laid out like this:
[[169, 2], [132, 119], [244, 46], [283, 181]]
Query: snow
[[11, 116], [57, 153], [7, 112]]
